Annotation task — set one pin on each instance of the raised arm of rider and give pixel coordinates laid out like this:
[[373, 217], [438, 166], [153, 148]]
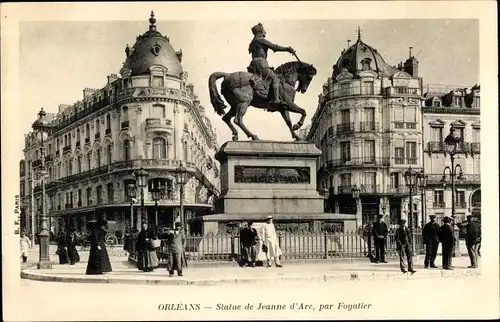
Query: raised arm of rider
[[272, 46]]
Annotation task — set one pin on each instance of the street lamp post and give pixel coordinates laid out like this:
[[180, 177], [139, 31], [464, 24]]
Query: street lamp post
[[355, 195], [422, 184], [42, 128], [410, 176], [157, 193], [131, 194], [451, 142], [141, 182], [181, 178]]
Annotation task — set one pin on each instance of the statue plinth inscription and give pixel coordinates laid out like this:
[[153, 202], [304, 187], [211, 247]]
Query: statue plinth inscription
[[268, 177], [284, 175]]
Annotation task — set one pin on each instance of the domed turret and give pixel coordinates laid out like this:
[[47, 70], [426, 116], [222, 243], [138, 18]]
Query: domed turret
[[152, 48], [359, 57]]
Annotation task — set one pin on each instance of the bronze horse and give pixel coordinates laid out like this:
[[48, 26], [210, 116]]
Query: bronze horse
[[244, 89]]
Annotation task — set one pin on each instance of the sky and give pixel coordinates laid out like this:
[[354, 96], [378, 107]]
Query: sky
[[57, 60]]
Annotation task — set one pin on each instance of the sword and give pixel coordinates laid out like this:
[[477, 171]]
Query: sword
[[297, 57]]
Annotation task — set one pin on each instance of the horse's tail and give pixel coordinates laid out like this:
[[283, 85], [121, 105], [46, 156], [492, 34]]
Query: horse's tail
[[215, 98]]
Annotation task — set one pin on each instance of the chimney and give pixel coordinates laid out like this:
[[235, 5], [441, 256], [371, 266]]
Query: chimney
[[112, 78], [411, 65], [88, 92]]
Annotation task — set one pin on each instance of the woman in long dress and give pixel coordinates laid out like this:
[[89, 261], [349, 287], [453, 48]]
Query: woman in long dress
[[147, 260], [62, 250], [73, 255], [98, 256]]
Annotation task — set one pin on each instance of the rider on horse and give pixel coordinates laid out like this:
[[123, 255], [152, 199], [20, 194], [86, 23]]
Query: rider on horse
[[258, 48]]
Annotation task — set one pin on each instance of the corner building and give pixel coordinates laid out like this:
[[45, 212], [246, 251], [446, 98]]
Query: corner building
[[368, 125], [148, 117], [448, 106]]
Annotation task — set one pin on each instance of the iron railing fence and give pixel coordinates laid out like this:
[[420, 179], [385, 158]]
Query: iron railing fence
[[294, 246]]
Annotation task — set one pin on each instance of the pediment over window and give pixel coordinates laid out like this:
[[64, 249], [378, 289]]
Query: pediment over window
[[476, 125], [458, 124], [437, 123]]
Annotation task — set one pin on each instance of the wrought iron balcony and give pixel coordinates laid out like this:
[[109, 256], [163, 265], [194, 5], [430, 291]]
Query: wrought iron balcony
[[436, 178], [152, 123], [435, 146], [402, 91], [360, 161], [345, 128], [344, 189], [125, 125], [398, 190], [460, 204], [405, 125], [368, 126], [369, 189], [404, 161], [353, 91], [438, 204]]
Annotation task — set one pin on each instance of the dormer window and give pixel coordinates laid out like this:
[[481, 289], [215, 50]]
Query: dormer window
[[365, 63], [436, 102]]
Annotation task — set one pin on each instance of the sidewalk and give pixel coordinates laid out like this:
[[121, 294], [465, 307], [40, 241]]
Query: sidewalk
[[125, 273]]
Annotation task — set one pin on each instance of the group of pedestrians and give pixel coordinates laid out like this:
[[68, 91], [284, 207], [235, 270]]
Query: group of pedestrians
[[66, 247], [269, 244]]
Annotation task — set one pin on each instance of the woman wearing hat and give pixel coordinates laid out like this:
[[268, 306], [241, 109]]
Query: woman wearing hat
[[98, 257], [73, 255], [62, 250], [147, 260]]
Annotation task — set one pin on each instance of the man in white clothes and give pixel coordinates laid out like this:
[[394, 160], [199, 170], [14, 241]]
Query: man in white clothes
[[270, 243]]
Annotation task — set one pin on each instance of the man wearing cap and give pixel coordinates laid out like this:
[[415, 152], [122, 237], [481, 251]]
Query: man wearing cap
[[447, 240], [472, 240], [258, 48], [176, 242], [380, 232], [430, 235], [403, 246], [270, 242]]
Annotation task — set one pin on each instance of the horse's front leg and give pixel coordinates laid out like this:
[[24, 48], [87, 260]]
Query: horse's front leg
[[286, 117], [294, 108], [241, 109]]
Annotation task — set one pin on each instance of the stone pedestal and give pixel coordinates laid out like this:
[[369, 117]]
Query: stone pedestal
[[262, 178]]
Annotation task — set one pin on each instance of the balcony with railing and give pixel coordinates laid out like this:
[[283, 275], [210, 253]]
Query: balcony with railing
[[437, 178], [354, 91], [460, 204], [369, 189], [404, 161], [405, 125], [369, 127], [438, 204], [398, 190], [344, 189], [402, 91], [359, 162], [79, 115], [345, 128], [435, 146], [125, 125], [155, 123]]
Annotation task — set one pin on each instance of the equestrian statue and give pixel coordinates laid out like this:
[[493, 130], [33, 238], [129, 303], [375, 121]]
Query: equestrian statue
[[262, 86]]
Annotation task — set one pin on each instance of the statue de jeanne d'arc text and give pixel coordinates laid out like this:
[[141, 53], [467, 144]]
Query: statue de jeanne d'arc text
[[262, 86]]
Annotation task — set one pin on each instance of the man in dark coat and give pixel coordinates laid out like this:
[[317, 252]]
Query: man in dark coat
[[403, 246], [447, 240], [430, 235], [62, 248], [249, 240], [472, 240], [176, 242], [380, 232]]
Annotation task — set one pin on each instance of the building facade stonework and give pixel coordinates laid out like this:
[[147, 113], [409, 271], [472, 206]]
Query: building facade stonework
[[445, 107], [368, 125], [148, 116]]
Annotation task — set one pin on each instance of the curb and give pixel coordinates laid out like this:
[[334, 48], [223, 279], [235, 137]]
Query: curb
[[344, 276]]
